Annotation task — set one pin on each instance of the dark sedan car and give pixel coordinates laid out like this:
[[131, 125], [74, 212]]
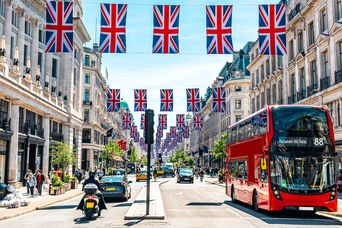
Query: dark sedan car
[[185, 175], [115, 187]]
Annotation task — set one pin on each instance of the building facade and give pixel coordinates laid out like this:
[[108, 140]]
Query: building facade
[[311, 72], [40, 93]]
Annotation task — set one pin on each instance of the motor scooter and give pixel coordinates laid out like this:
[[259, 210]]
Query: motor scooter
[[91, 201]]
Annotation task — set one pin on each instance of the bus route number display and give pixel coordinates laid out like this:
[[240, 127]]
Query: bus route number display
[[301, 142]]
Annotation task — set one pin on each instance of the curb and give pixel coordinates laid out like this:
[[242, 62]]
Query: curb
[[160, 216], [330, 214], [29, 209], [211, 182]]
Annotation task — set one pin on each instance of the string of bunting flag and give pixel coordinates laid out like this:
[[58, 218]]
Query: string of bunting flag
[[59, 28]]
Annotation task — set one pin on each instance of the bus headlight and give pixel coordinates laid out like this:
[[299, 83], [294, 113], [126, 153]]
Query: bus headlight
[[332, 194], [276, 192]]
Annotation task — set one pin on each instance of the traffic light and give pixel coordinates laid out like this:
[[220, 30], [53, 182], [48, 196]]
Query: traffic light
[[149, 126], [160, 159]]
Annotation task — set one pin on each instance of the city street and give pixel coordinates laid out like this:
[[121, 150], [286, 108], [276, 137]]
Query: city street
[[186, 205]]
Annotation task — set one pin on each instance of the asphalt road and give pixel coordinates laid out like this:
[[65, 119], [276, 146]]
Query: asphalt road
[[186, 205]]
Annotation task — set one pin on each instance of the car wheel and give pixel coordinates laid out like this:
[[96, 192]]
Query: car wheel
[[137, 180]]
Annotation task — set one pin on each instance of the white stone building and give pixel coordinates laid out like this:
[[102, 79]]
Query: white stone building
[[40, 97]]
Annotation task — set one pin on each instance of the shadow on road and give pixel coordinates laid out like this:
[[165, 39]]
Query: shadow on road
[[204, 204], [132, 223], [81, 220], [285, 217], [63, 207], [123, 205]]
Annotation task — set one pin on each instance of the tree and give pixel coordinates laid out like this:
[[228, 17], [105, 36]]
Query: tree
[[111, 150], [181, 159], [219, 149], [63, 156], [143, 160], [134, 155]]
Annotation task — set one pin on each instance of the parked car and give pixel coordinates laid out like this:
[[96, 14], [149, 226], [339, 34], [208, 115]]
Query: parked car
[[185, 175], [116, 187], [141, 175], [168, 171]]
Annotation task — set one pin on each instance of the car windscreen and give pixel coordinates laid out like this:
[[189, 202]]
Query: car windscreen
[[108, 179], [119, 172], [185, 172], [143, 172]]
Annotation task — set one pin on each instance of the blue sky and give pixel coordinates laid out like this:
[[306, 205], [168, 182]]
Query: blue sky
[[192, 68]]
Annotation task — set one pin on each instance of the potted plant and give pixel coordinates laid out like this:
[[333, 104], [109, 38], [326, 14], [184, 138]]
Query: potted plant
[[67, 184], [74, 183], [56, 186]]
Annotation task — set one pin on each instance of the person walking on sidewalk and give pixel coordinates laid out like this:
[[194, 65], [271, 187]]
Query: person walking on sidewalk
[[201, 175], [32, 182], [40, 181], [26, 179]]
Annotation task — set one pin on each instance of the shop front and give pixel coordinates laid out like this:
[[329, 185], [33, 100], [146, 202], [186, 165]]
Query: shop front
[[4, 154]]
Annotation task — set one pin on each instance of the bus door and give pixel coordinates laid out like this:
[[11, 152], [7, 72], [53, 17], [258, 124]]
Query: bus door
[[263, 183]]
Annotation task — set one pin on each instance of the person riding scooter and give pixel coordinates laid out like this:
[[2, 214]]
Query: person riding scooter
[[92, 180]]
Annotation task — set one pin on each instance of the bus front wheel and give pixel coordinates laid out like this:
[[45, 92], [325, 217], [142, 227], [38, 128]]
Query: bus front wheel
[[255, 201]]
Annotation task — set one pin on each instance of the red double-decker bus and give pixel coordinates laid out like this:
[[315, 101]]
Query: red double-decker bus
[[283, 157]]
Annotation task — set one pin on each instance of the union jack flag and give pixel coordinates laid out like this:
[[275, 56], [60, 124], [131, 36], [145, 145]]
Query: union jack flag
[[162, 121], [219, 100], [59, 26], [165, 31], [133, 131], [126, 121], [140, 100], [192, 100], [198, 122], [272, 29], [219, 29], [142, 122], [172, 132], [179, 137], [166, 100], [141, 141], [168, 137], [159, 132], [136, 137], [113, 100], [186, 132], [180, 121], [113, 28]]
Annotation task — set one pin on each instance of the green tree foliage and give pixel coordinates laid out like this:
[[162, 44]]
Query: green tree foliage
[[219, 149], [181, 159], [134, 155], [143, 160], [111, 150], [63, 156]]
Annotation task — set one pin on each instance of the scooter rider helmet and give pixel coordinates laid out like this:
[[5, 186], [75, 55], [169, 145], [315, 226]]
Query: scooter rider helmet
[[92, 173]]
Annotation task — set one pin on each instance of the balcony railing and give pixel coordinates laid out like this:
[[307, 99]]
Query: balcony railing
[[338, 76], [5, 124], [294, 12], [56, 136], [301, 94], [325, 83], [90, 103], [85, 140], [312, 89]]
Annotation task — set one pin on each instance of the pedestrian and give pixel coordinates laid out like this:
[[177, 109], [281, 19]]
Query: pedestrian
[[32, 182], [220, 176], [40, 181], [155, 173], [26, 179], [201, 175]]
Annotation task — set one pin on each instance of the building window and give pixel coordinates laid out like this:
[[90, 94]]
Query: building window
[[274, 94], [25, 54], [86, 60], [86, 94], [268, 96], [338, 10], [21, 120], [2, 8], [40, 59], [262, 99], [262, 72], [41, 36], [324, 20], [291, 52], [237, 104], [12, 48], [75, 76], [28, 27], [325, 62], [54, 67], [273, 60], [257, 77], [280, 61], [302, 81], [293, 85], [300, 41], [14, 18], [238, 118], [86, 115], [313, 73], [3, 111], [311, 32], [340, 54], [87, 79], [86, 135], [267, 67], [280, 92], [237, 88], [258, 102]]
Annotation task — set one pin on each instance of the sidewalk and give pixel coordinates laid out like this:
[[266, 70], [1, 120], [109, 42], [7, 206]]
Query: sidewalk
[[213, 180], [38, 202], [138, 208]]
